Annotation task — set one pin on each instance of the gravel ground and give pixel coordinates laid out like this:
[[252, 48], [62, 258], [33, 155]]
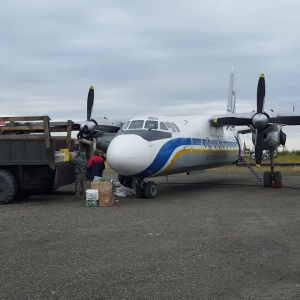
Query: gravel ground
[[213, 235]]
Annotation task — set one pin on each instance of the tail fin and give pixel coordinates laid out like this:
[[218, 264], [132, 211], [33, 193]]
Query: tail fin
[[231, 94]]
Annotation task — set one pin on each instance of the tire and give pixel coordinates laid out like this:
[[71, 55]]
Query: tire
[[277, 176], [8, 187], [267, 179], [139, 192], [150, 190]]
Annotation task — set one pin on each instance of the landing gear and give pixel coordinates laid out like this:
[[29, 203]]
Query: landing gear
[[126, 180], [150, 189], [267, 179], [272, 179], [143, 188], [140, 192]]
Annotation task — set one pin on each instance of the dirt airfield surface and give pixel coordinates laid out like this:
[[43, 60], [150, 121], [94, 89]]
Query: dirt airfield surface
[[213, 235]]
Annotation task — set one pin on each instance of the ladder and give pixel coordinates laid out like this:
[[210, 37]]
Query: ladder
[[242, 159]]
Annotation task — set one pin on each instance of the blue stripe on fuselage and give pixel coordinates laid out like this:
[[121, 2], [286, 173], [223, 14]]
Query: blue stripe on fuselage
[[163, 155], [168, 148]]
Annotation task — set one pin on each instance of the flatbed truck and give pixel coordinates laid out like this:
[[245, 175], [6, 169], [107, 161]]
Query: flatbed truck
[[28, 163]]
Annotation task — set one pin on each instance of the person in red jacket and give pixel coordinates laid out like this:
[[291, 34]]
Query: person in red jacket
[[95, 165]]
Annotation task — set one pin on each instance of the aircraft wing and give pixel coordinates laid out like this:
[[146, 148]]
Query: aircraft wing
[[241, 119], [244, 130]]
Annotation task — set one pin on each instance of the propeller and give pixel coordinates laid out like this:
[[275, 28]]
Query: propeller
[[260, 120], [90, 103], [89, 109]]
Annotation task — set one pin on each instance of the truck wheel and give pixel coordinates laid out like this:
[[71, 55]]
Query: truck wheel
[[8, 187]]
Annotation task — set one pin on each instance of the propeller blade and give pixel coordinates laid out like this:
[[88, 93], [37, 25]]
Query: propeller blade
[[242, 119], [261, 90], [234, 121], [259, 143], [90, 103], [286, 120]]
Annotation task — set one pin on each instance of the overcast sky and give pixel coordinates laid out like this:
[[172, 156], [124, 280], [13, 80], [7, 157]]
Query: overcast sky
[[167, 57]]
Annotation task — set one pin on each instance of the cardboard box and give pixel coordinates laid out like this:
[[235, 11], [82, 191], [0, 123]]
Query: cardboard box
[[103, 187], [92, 194], [105, 190], [86, 141], [66, 154], [58, 156], [106, 200]]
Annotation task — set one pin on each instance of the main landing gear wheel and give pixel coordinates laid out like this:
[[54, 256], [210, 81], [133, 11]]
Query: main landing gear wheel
[[267, 179], [277, 179], [272, 181]]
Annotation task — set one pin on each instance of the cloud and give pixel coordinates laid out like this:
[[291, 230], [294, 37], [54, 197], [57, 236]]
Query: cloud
[[153, 57]]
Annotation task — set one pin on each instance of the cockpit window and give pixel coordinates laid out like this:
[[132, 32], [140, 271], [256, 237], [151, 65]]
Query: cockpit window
[[170, 127], [151, 124], [136, 124], [125, 124], [176, 128], [163, 126]]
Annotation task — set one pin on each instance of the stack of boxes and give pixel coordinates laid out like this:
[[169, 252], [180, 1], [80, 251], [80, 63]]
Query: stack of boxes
[[105, 192], [62, 155]]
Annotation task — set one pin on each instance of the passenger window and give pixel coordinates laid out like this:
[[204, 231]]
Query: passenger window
[[163, 126], [151, 125], [137, 124]]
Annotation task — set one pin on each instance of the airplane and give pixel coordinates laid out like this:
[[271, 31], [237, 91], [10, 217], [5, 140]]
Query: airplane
[[150, 146]]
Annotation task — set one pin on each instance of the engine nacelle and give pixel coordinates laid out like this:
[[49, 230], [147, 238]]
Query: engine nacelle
[[103, 140], [272, 136], [90, 125]]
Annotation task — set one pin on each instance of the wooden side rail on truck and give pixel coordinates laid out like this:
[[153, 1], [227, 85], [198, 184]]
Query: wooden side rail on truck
[[13, 129]]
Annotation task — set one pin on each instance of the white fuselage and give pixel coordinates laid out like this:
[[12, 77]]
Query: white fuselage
[[155, 146]]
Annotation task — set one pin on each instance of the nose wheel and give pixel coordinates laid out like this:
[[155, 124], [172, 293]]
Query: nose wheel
[[143, 188], [150, 189]]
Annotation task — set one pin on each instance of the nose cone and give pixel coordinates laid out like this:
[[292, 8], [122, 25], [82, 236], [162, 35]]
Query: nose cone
[[128, 154]]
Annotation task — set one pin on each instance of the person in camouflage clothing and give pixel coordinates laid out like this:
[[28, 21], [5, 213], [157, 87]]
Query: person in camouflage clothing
[[80, 172]]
